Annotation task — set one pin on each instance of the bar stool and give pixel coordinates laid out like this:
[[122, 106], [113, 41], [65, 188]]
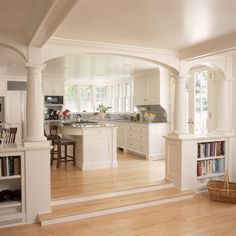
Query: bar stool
[[58, 143]]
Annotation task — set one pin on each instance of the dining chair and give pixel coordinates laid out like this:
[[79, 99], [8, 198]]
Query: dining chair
[[58, 144]]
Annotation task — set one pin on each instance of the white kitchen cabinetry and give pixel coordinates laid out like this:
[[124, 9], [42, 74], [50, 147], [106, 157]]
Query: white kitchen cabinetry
[[53, 87], [12, 211], [147, 139], [3, 87], [121, 134], [147, 90]]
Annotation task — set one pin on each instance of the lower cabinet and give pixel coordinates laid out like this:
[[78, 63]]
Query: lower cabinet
[[146, 139], [143, 138]]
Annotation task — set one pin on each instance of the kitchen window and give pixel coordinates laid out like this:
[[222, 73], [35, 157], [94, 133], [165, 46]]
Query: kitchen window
[[70, 97], [86, 98]]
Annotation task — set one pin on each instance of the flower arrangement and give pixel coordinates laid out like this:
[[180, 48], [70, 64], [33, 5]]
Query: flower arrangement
[[103, 108], [63, 114], [149, 116]]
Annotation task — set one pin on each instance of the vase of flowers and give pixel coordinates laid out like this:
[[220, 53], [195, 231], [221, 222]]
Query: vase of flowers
[[102, 110], [149, 116], [64, 115]]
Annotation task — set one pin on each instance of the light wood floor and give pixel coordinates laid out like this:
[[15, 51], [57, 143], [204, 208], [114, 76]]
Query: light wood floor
[[133, 171], [198, 216]]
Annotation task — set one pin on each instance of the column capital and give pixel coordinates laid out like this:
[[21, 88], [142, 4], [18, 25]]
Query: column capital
[[35, 66]]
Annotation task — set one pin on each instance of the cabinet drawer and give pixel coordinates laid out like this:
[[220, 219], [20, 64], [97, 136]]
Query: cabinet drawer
[[137, 146], [97, 131], [136, 136], [137, 129]]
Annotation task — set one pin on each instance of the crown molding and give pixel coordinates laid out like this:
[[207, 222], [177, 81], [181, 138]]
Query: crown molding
[[82, 43]]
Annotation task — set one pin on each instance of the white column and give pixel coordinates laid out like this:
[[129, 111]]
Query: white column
[[223, 122], [34, 106], [180, 109]]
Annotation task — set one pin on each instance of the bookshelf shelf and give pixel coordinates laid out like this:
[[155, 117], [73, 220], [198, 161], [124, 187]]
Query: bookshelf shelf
[[210, 176], [9, 204], [210, 158], [210, 162], [12, 210], [10, 177]]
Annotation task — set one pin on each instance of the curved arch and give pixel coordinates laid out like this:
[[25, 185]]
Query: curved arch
[[173, 71], [216, 69], [14, 49]]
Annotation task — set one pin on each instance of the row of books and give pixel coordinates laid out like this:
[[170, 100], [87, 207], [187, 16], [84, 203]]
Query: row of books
[[209, 167], [10, 166], [211, 149]]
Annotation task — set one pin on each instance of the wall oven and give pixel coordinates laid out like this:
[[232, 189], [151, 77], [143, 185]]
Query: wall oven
[[53, 100], [51, 105]]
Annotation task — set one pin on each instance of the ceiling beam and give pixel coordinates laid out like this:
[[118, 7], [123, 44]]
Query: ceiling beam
[[44, 18], [212, 47]]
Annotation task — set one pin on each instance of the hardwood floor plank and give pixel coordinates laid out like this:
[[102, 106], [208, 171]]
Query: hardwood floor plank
[[133, 171], [197, 216], [114, 202]]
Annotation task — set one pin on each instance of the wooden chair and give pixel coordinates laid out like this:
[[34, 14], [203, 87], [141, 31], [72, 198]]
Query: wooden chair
[[58, 143]]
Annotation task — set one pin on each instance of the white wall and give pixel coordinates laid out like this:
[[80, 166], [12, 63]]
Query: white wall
[[233, 114]]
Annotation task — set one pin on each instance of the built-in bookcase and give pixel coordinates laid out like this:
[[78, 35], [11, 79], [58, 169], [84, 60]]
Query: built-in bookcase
[[12, 209], [211, 161]]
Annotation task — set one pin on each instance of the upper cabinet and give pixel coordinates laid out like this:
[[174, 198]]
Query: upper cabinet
[[152, 89], [3, 87], [146, 90], [53, 87]]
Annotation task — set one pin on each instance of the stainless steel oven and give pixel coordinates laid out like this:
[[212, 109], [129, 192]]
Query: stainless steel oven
[[53, 100]]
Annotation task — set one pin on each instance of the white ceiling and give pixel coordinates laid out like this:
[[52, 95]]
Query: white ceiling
[[14, 15], [165, 24]]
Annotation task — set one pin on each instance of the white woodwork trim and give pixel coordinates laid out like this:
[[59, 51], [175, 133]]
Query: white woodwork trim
[[111, 194], [116, 210]]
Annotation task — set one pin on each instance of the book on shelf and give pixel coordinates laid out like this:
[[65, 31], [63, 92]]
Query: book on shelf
[[211, 149], [10, 166], [209, 167]]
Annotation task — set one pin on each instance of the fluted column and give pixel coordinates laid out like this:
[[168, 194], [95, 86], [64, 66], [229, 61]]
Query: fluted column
[[224, 119], [180, 109], [34, 105]]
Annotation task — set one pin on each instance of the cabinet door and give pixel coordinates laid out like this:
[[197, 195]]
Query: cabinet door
[[140, 96], [3, 87], [121, 135], [51, 87], [153, 90]]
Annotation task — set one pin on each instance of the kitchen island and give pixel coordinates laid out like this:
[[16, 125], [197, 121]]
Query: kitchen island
[[95, 145]]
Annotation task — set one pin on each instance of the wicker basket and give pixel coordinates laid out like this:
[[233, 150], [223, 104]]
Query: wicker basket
[[223, 191]]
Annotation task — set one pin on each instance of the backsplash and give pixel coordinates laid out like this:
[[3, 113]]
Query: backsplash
[[156, 109]]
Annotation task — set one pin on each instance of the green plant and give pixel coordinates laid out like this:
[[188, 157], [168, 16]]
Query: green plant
[[103, 108]]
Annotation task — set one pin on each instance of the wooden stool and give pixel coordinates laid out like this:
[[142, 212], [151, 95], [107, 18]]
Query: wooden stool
[[58, 143]]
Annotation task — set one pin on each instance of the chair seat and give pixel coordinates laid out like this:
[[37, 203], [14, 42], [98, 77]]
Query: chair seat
[[65, 141], [59, 143]]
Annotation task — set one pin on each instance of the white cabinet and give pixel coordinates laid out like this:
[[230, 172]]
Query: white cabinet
[[147, 90], [12, 201], [121, 135], [3, 87], [53, 87], [147, 139]]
